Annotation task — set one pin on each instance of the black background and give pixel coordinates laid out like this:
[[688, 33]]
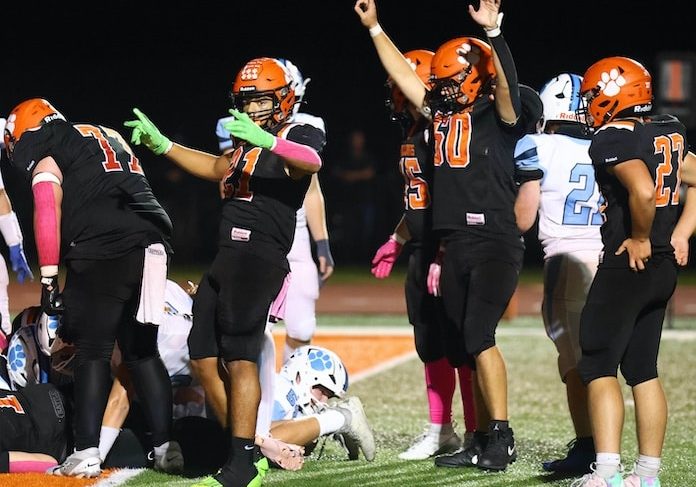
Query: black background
[[176, 61]]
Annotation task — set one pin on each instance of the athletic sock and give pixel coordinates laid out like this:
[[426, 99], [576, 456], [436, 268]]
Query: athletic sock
[[466, 389], [107, 438], [330, 421], [440, 383], [607, 464], [647, 466]]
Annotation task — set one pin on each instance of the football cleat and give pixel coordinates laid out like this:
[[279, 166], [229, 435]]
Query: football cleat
[[432, 443], [500, 450], [81, 464], [634, 480], [581, 453], [168, 457], [356, 426], [218, 480], [468, 456], [594, 480]]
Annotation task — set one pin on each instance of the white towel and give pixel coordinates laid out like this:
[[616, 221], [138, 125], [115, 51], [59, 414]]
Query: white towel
[[151, 307]]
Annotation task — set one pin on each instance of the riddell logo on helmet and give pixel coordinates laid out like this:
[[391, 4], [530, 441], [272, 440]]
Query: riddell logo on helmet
[[53, 116], [642, 108]]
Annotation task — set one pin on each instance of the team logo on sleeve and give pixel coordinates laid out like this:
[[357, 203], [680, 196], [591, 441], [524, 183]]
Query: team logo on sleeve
[[11, 402]]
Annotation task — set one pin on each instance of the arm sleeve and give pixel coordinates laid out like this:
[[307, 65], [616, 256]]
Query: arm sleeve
[[505, 56]]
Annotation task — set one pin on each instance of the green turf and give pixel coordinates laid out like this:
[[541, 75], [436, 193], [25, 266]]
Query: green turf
[[395, 403]]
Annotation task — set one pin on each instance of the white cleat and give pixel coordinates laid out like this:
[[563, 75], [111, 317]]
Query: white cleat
[[432, 443], [357, 427], [168, 457], [81, 464]]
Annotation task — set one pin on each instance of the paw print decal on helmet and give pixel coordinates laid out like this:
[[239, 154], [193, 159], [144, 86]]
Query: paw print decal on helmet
[[611, 82], [318, 360], [17, 357]]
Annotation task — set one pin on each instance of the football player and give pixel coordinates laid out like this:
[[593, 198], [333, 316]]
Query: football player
[[94, 211], [35, 427], [300, 317], [473, 207], [424, 309], [265, 181], [12, 233], [310, 378], [640, 161], [567, 201]]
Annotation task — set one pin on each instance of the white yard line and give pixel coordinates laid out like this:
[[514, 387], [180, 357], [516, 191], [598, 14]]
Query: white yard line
[[119, 477], [679, 335], [372, 371]]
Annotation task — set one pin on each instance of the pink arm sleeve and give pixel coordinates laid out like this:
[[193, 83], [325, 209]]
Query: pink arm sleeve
[[46, 223], [298, 152], [26, 466]]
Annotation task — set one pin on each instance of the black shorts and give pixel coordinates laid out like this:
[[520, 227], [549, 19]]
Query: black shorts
[[621, 323], [425, 311], [101, 299], [478, 279], [34, 420], [231, 307]]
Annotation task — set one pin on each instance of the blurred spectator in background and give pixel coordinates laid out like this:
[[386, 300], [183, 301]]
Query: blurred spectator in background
[[354, 177]]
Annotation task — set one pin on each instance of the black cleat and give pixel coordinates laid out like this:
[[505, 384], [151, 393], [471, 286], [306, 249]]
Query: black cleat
[[581, 453], [467, 456], [500, 450]]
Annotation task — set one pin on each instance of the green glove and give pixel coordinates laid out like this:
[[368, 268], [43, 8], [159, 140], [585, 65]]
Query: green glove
[[242, 127], [145, 132]]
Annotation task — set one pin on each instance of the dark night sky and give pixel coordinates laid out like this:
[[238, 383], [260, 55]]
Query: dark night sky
[[176, 60]]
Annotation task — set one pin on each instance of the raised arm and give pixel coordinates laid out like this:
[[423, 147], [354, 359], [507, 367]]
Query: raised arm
[[396, 65], [507, 91]]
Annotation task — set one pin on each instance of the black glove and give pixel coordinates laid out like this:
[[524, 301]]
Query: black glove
[[51, 299]]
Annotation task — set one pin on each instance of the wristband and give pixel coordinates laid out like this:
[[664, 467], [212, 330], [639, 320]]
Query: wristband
[[323, 250], [398, 238], [495, 31], [375, 30]]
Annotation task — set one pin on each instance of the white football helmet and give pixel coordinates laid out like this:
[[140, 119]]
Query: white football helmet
[[311, 366], [561, 98], [23, 358], [299, 83], [46, 332]]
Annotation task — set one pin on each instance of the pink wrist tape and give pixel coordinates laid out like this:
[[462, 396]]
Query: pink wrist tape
[[31, 466], [293, 150], [46, 223]]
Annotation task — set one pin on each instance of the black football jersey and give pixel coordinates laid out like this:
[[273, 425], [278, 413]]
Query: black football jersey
[[416, 166], [661, 143], [108, 207], [474, 187], [261, 199]]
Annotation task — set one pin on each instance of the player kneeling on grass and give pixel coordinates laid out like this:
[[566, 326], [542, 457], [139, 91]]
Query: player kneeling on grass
[[310, 402]]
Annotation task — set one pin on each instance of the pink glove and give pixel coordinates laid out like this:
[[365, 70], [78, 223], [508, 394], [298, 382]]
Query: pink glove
[[384, 259], [433, 279]]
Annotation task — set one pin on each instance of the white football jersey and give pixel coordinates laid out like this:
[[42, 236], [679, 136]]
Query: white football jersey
[[285, 398], [569, 208]]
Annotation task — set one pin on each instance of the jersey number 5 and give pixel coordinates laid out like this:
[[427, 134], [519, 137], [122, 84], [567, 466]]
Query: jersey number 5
[[666, 186]]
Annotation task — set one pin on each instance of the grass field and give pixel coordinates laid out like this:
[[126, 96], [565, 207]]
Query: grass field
[[395, 403]]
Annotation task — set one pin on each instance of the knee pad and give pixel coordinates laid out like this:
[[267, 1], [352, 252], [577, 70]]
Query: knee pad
[[302, 332]]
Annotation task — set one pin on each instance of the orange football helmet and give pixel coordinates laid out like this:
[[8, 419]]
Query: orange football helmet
[[396, 102], [265, 77], [461, 71], [29, 115], [611, 87]]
